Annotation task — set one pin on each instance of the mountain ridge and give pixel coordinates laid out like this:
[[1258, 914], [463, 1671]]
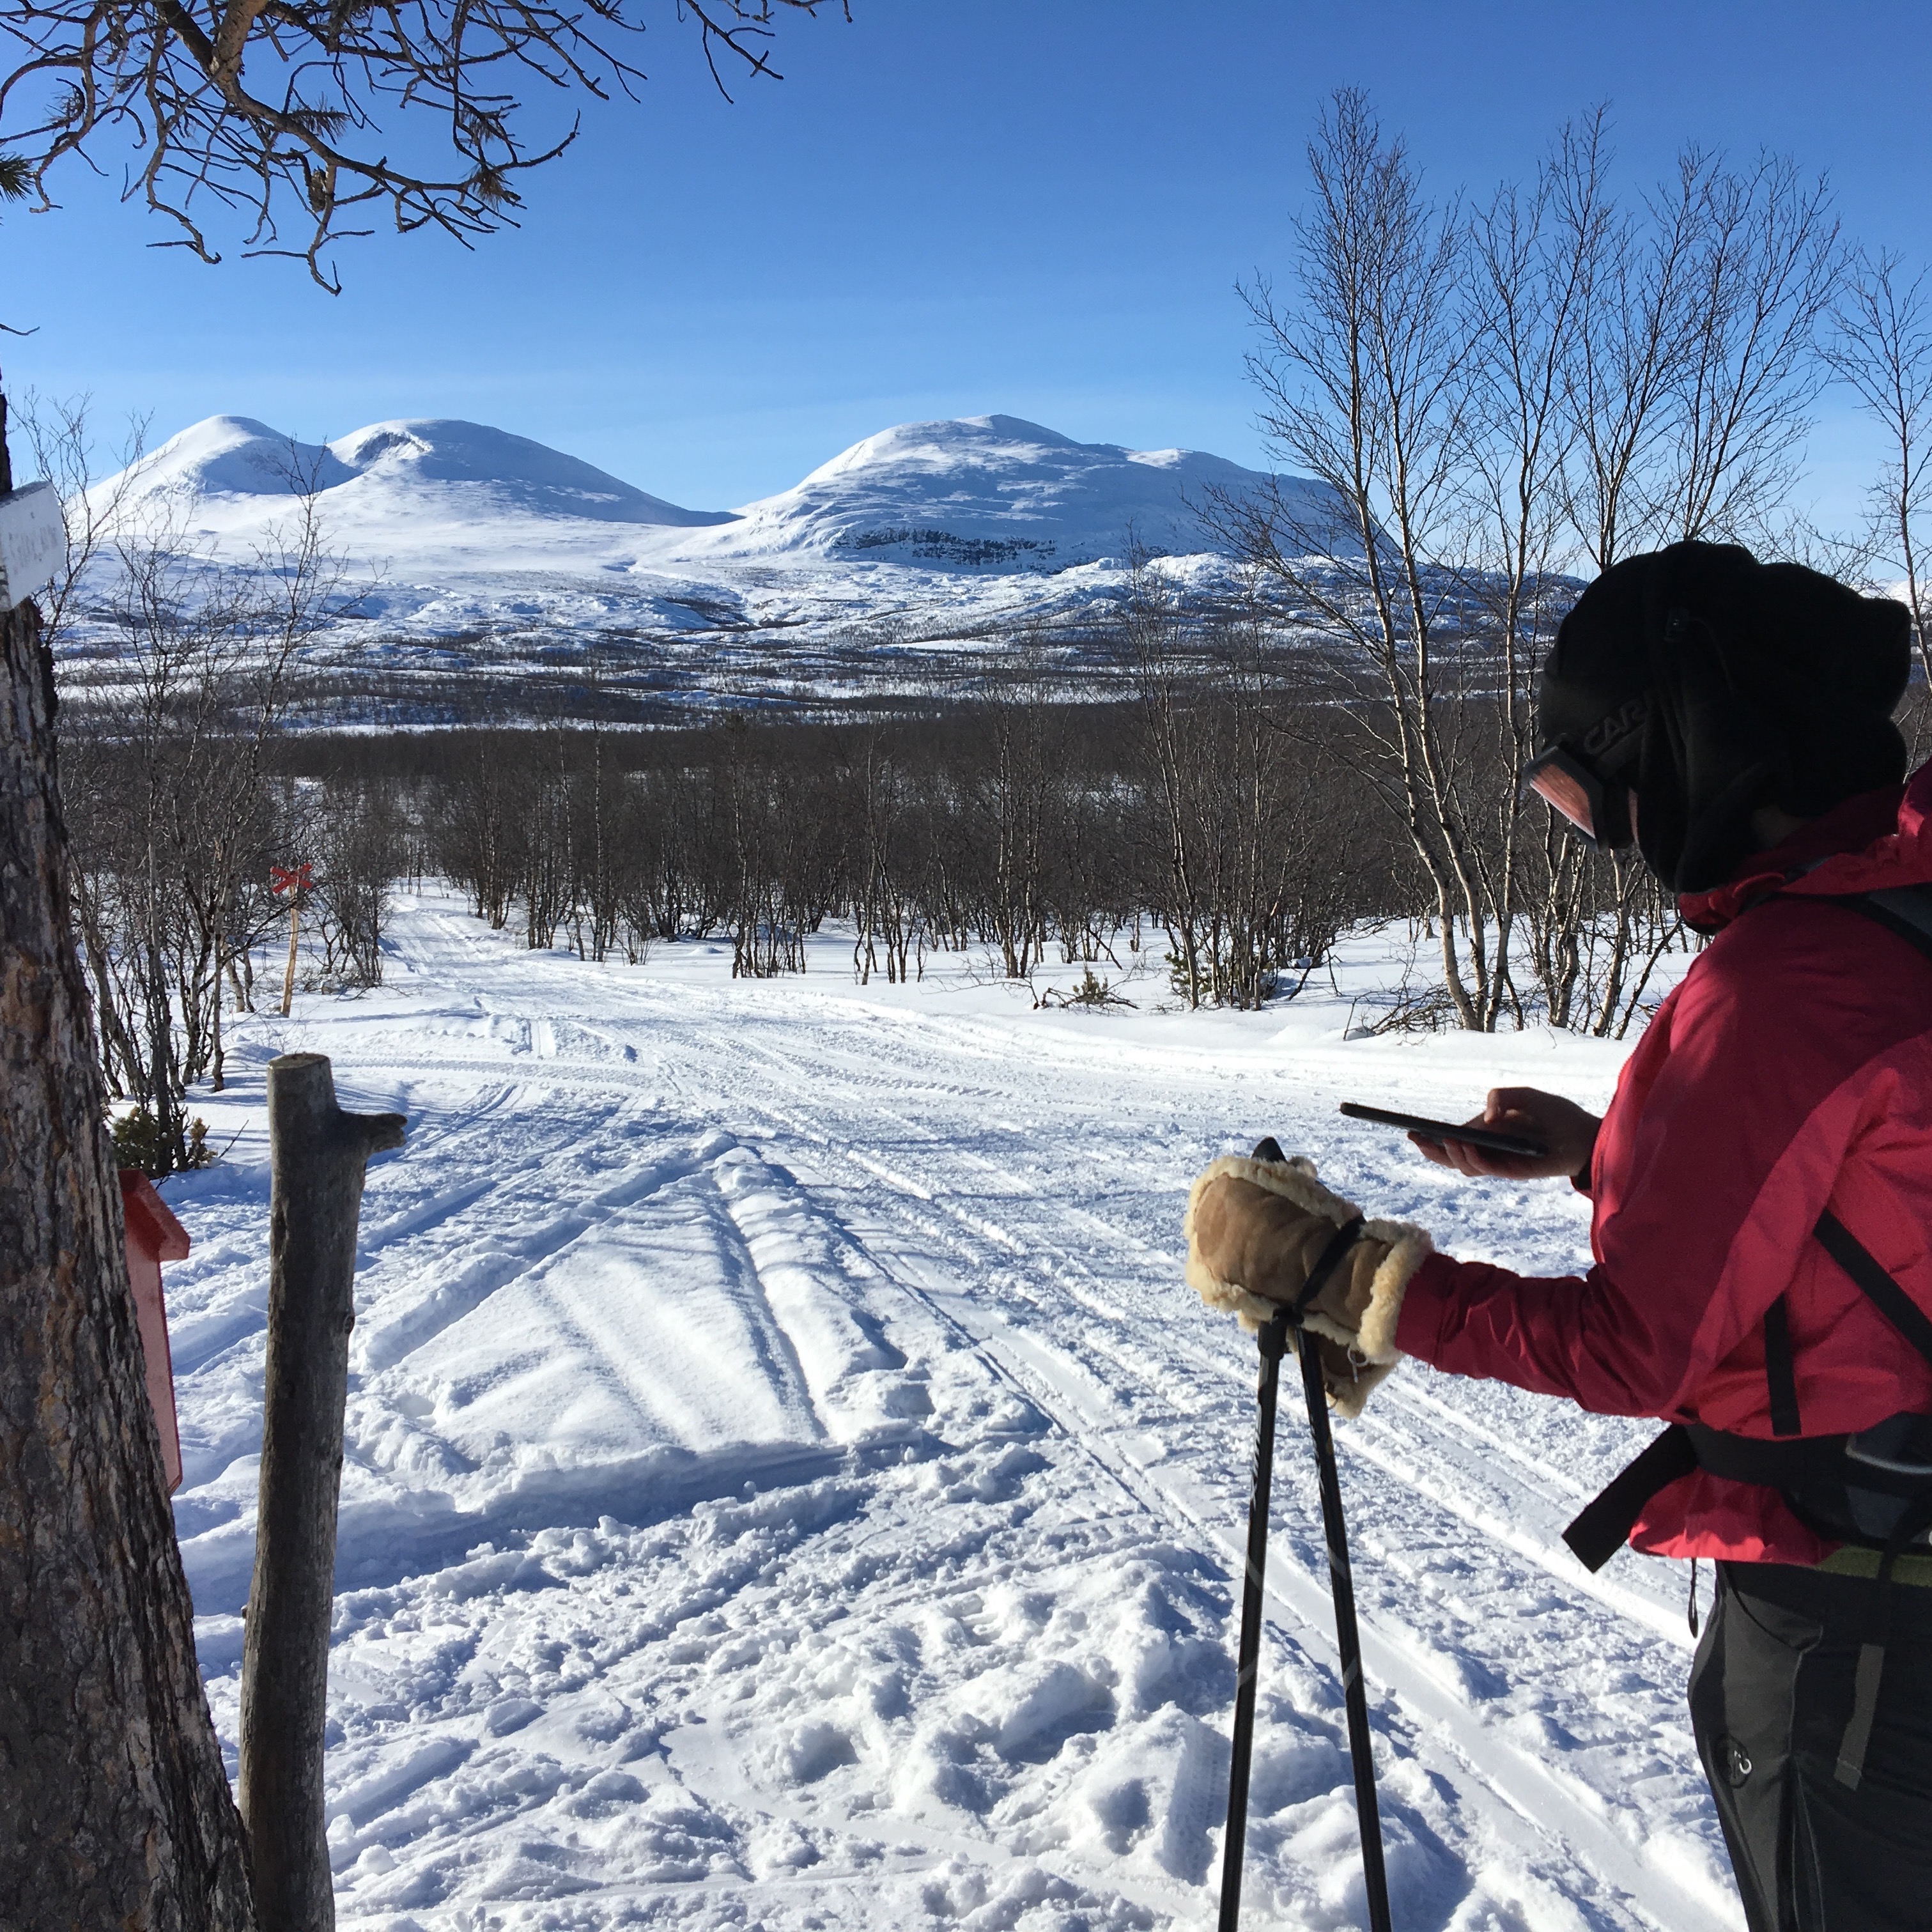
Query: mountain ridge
[[425, 458], [987, 493]]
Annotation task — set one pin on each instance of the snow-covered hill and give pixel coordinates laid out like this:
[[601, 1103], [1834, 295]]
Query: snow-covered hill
[[995, 492], [979, 493], [237, 470]]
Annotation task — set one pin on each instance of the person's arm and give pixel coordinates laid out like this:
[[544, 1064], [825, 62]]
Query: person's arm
[[1713, 1166]]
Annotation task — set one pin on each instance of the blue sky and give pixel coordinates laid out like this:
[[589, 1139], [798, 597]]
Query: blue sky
[[1036, 206]]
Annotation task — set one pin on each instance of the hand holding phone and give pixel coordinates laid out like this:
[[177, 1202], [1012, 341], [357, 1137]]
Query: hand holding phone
[[1470, 1133], [1522, 1134]]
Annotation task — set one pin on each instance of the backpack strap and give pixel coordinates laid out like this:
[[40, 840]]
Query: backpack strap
[[1905, 910], [1878, 1287], [1779, 1372], [1603, 1526]]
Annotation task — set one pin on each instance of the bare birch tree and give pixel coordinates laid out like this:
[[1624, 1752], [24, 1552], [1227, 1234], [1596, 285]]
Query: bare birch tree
[[1694, 364], [175, 818], [1530, 269], [1882, 346], [1365, 374], [1487, 403], [1768, 265], [94, 509]]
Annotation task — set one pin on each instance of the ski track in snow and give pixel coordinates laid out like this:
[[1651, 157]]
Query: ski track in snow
[[788, 1483]]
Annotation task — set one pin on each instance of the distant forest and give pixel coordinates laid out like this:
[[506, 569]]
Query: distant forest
[[1223, 823]]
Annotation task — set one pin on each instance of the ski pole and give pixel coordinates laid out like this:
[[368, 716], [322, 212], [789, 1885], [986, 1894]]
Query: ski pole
[[1347, 1639], [1273, 1340]]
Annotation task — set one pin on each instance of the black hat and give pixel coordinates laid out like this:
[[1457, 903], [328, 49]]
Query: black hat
[[1757, 684]]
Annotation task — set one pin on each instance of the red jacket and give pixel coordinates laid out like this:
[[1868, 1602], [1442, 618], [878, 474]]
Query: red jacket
[[1791, 1069]]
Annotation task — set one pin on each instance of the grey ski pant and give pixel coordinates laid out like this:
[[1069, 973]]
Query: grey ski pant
[[1771, 1694]]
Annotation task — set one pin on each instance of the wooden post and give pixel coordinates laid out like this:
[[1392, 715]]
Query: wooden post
[[295, 933], [318, 1154]]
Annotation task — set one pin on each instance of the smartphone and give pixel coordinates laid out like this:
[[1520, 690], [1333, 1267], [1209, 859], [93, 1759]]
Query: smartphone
[[1491, 1138]]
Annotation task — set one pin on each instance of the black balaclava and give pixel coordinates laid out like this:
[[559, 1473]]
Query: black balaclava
[[1768, 684]]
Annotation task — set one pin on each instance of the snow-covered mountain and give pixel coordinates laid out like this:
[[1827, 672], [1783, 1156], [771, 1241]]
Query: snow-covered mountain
[[403, 470], [475, 555], [993, 492], [982, 493]]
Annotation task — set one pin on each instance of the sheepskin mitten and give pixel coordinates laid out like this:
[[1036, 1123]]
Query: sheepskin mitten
[[1256, 1229]]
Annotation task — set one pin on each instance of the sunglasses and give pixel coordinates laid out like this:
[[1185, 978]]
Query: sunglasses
[[1601, 810]]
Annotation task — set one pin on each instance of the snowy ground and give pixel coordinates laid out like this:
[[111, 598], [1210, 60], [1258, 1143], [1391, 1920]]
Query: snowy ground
[[789, 1485]]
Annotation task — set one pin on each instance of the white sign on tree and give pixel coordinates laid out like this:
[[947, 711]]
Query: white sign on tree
[[33, 541]]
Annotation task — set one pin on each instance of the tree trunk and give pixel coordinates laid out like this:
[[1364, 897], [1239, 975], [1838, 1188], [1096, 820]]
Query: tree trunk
[[318, 1153], [115, 1810]]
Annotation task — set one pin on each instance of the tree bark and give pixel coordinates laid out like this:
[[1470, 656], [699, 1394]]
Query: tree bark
[[115, 1809], [319, 1154]]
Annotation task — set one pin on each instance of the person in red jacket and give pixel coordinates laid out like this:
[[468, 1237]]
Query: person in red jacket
[[1762, 1185]]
